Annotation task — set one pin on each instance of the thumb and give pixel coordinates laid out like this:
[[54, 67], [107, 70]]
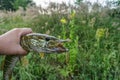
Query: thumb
[[23, 31]]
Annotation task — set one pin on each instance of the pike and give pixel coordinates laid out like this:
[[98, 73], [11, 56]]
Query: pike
[[35, 42]]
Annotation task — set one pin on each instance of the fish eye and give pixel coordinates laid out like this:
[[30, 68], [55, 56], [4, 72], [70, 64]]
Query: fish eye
[[47, 38]]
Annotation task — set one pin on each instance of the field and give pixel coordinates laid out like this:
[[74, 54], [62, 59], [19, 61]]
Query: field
[[94, 50]]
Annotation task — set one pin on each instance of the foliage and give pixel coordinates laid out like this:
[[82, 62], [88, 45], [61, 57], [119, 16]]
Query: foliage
[[78, 1], [13, 4], [94, 50], [117, 2], [21, 3]]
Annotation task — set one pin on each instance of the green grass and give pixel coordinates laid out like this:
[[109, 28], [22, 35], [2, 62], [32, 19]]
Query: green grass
[[89, 57]]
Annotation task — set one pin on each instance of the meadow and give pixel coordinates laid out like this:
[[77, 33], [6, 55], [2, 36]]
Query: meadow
[[94, 50]]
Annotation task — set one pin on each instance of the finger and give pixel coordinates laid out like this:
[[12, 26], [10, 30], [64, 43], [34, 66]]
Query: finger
[[25, 31], [21, 51]]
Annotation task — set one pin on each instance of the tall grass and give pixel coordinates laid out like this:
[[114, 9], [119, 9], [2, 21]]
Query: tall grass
[[94, 50]]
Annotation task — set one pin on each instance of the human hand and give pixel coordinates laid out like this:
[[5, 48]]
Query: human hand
[[10, 41]]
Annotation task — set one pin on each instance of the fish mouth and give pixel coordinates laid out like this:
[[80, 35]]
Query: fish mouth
[[59, 48]]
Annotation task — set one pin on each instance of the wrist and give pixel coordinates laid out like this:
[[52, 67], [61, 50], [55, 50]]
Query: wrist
[[0, 44], [0, 39]]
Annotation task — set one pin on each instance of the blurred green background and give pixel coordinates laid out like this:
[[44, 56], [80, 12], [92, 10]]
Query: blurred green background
[[94, 31]]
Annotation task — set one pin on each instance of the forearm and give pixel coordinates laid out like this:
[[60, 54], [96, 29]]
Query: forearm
[[4, 44], [1, 44]]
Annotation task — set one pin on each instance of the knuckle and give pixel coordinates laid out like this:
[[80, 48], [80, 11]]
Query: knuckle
[[16, 29]]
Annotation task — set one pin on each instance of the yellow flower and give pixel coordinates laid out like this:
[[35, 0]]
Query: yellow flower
[[63, 21], [41, 55], [24, 61], [100, 33], [72, 15], [92, 22]]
